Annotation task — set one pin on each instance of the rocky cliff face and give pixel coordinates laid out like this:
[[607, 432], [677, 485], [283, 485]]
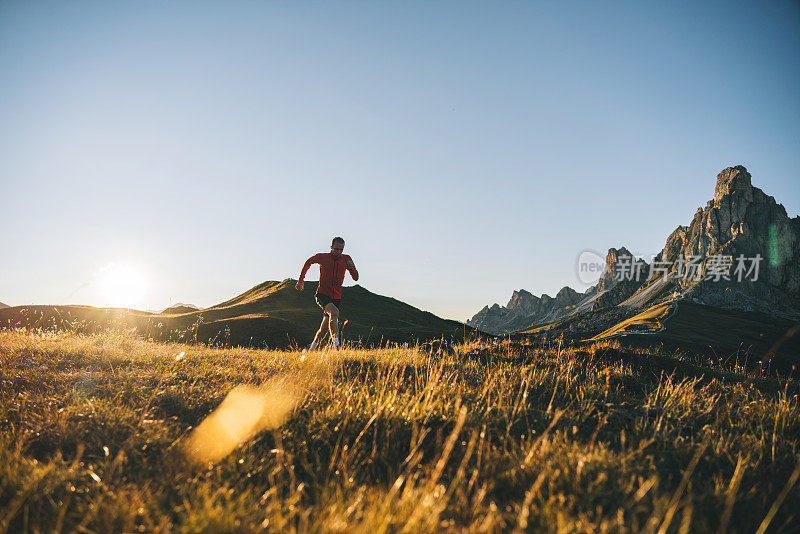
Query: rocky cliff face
[[746, 246], [623, 276], [739, 226], [620, 263]]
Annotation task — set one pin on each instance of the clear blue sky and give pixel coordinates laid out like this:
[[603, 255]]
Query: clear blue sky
[[463, 149]]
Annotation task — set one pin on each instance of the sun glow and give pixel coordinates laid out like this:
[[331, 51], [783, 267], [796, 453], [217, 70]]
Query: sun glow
[[122, 285]]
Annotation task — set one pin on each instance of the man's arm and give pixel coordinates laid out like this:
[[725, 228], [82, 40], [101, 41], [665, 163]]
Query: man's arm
[[313, 259], [352, 268]]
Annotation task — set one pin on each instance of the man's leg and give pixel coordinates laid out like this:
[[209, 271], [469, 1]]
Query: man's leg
[[333, 322], [320, 333]]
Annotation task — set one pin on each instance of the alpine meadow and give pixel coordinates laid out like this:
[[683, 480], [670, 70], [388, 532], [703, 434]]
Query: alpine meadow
[[399, 267]]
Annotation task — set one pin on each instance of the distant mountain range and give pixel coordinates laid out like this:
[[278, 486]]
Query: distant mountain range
[[273, 314], [738, 259]]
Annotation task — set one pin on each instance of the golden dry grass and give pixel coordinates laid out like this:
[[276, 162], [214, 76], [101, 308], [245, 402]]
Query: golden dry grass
[[503, 437]]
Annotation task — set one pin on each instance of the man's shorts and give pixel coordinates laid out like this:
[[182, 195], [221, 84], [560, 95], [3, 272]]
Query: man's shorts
[[323, 300]]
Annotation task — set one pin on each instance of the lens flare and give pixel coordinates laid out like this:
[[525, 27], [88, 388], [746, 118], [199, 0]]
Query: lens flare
[[248, 410], [774, 247]]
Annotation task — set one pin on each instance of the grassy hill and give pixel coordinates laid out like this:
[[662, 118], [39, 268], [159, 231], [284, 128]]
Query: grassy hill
[[748, 337], [649, 321], [272, 314], [178, 309]]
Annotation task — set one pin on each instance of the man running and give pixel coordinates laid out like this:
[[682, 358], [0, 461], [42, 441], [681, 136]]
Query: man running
[[329, 291]]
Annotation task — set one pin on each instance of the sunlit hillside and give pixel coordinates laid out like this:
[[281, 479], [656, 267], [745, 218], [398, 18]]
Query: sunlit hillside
[[99, 433], [270, 315]]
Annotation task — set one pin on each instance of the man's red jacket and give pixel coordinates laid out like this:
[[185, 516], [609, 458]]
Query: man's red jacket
[[331, 272]]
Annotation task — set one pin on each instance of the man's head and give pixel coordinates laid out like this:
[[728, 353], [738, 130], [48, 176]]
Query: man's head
[[337, 246]]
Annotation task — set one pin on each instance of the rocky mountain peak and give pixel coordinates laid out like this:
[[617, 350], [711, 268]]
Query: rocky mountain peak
[[747, 226], [613, 257], [568, 296], [609, 278], [522, 302], [733, 181], [614, 253]]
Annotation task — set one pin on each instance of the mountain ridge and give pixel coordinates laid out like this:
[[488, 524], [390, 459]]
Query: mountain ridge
[[740, 222]]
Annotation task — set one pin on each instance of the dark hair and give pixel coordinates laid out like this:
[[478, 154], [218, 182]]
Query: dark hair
[[337, 240]]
